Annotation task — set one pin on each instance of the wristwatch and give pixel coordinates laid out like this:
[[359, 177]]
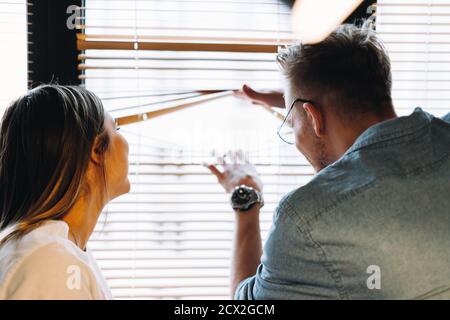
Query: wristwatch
[[244, 198]]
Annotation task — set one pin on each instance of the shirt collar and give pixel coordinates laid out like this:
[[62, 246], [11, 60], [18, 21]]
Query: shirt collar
[[392, 128]]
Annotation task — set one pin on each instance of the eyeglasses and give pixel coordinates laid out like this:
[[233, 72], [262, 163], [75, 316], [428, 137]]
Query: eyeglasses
[[285, 131]]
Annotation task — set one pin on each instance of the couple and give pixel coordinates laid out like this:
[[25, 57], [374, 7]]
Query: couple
[[372, 224]]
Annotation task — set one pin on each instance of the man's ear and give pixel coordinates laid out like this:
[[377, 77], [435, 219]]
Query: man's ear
[[316, 117], [96, 154]]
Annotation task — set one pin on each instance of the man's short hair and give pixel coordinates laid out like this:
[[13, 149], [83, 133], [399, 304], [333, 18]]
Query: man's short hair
[[350, 69]]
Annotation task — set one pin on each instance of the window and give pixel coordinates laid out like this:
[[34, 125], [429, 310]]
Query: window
[[171, 236], [416, 34], [13, 39]]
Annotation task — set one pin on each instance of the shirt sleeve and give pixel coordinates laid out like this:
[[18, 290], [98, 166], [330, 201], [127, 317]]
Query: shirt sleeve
[[51, 272], [291, 267]]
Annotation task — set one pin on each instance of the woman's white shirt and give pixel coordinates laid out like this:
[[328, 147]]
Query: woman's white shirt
[[45, 264]]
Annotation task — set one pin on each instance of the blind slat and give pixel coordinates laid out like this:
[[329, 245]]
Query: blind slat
[[167, 46]]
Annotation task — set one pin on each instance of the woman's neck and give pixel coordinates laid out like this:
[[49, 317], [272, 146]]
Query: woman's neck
[[82, 219]]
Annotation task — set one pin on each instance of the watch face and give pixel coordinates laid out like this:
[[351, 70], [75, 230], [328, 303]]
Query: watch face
[[241, 196]]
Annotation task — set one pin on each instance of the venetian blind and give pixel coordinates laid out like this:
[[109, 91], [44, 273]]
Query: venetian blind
[[171, 236], [13, 50], [416, 34]]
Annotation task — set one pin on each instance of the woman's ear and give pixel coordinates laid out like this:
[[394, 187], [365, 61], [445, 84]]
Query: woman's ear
[[97, 153], [316, 117]]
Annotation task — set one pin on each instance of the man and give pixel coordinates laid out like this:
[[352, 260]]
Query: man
[[374, 221]]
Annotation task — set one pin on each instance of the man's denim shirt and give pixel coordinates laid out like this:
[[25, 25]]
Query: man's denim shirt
[[373, 225]]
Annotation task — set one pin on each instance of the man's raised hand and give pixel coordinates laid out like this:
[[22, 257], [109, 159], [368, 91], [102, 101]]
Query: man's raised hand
[[267, 98]]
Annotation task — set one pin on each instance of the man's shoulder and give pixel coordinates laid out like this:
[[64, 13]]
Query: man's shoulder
[[332, 185], [446, 118]]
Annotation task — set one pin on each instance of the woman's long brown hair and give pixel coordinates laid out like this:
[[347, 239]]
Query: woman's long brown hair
[[46, 139]]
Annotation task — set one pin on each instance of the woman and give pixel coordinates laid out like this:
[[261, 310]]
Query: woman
[[61, 161]]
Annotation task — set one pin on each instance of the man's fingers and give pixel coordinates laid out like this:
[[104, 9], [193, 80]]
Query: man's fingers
[[239, 157], [249, 92], [245, 93], [243, 158], [232, 156], [221, 159], [238, 93], [215, 171]]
